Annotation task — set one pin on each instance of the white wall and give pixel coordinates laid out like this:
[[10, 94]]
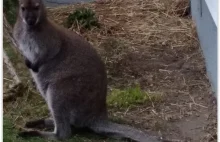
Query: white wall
[[213, 8], [204, 13]]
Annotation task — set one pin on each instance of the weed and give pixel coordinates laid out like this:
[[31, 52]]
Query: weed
[[130, 97], [83, 18]]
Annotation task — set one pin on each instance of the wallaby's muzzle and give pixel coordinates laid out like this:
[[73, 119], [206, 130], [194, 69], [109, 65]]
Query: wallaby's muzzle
[[31, 21]]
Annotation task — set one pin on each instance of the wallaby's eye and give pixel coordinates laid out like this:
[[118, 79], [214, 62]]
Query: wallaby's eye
[[22, 8], [36, 7]]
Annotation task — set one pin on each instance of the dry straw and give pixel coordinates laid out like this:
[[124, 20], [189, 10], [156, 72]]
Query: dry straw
[[134, 25], [139, 23]]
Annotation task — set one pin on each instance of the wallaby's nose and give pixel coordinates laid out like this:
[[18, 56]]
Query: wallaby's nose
[[31, 21]]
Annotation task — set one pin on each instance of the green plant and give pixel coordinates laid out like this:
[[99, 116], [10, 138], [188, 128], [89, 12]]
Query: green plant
[[9, 8], [130, 97], [82, 17]]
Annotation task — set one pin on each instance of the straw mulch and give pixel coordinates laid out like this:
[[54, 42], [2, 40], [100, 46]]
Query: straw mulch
[[154, 43], [130, 26]]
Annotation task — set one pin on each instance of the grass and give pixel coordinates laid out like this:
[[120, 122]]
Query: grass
[[10, 133], [131, 97], [9, 8], [83, 18]]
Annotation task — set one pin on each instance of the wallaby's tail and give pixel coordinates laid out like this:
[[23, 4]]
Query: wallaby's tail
[[119, 131]]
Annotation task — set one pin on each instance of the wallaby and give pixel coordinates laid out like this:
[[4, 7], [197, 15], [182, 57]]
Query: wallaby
[[69, 75]]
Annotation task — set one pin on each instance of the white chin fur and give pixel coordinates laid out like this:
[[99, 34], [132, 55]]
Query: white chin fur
[[26, 22]]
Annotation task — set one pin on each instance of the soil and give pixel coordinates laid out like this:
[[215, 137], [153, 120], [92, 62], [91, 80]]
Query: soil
[[188, 111]]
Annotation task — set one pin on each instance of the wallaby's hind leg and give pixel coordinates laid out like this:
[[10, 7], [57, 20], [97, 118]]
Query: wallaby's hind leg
[[59, 111], [41, 124], [62, 130]]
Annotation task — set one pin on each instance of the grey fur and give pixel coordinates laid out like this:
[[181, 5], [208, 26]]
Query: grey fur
[[71, 78]]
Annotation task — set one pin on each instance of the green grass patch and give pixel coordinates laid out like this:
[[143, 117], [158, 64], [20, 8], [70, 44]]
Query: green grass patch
[[10, 9], [83, 18], [130, 97], [10, 133]]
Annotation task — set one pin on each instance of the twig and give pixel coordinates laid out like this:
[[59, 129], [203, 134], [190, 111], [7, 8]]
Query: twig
[[8, 79], [197, 103]]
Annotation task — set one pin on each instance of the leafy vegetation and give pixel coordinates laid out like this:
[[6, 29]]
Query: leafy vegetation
[[10, 8], [83, 18]]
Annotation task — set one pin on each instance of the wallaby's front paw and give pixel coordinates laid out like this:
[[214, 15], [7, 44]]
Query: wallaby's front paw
[[35, 68]]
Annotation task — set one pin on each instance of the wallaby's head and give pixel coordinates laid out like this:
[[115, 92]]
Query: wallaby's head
[[31, 11]]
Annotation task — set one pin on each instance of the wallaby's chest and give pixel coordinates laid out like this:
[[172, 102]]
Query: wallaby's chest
[[29, 47]]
